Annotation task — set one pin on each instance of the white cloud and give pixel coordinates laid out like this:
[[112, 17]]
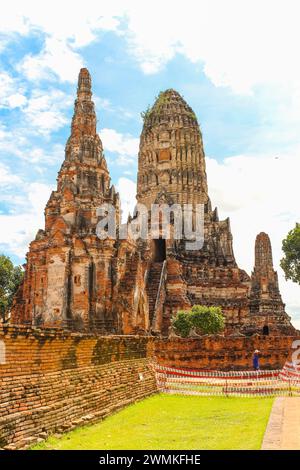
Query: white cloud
[[127, 191], [7, 178], [45, 111], [11, 94], [56, 59], [19, 229], [38, 155], [120, 111], [102, 103], [124, 145], [4, 133], [12, 20], [241, 44], [66, 28], [65, 21], [258, 193], [15, 142]]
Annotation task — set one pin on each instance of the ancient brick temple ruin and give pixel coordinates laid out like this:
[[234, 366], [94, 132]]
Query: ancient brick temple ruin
[[74, 279], [267, 311]]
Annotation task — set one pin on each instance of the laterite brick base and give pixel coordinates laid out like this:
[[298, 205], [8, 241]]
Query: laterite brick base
[[55, 381], [224, 353]]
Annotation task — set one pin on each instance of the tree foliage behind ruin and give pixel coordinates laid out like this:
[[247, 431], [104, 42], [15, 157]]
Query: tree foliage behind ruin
[[10, 278], [290, 263]]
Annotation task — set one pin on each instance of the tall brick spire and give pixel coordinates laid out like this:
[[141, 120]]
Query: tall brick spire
[[84, 89], [65, 259], [84, 118], [84, 144]]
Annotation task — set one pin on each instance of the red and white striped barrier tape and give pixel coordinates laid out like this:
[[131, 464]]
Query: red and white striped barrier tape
[[215, 374], [239, 383]]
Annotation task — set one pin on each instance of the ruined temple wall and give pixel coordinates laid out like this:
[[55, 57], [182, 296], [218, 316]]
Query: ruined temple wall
[[233, 301], [53, 381], [223, 353]]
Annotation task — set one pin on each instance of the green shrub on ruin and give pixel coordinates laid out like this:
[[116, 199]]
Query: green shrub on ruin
[[181, 323], [207, 320], [204, 320]]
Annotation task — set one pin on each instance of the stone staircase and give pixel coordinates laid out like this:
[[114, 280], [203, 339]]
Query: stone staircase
[[152, 286]]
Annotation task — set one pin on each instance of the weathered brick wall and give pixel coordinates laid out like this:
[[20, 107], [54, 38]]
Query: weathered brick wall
[[223, 353], [53, 381]]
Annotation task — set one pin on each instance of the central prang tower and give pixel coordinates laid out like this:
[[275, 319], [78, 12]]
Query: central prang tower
[[171, 156], [172, 170]]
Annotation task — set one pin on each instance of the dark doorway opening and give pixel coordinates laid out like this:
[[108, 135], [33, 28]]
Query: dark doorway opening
[[159, 250], [266, 330]]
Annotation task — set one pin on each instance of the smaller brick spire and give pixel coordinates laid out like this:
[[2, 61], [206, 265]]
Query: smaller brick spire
[[263, 253], [266, 306]]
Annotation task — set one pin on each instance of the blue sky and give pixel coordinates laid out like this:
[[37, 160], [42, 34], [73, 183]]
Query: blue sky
[[236, 65]]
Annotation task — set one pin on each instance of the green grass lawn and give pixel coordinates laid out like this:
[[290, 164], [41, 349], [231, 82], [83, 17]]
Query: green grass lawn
[[175, 422]]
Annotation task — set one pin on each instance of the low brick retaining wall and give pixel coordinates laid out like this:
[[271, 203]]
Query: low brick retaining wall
[[223, 353], [53, 381]]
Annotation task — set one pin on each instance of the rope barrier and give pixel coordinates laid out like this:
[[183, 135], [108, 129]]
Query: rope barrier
[[285, 382]]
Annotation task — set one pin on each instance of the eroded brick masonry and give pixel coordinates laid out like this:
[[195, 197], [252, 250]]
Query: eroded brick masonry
[[53, 380]]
